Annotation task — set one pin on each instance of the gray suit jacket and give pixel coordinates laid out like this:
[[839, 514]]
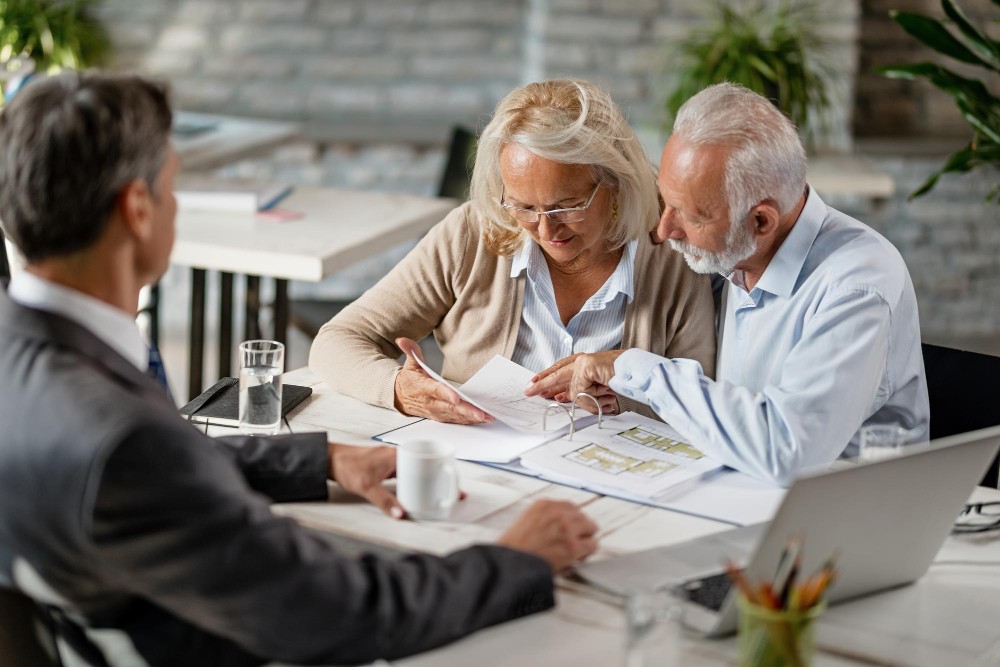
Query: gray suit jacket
[[151, 542]]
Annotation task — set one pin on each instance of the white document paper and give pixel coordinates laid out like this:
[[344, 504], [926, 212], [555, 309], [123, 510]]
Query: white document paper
[[498, 388], [629, 453], [489, 443]]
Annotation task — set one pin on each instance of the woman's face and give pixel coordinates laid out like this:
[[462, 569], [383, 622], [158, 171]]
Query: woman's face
[[535, 183]]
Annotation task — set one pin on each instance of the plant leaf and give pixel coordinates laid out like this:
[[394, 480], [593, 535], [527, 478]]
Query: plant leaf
[[985, 46], [933, 34]]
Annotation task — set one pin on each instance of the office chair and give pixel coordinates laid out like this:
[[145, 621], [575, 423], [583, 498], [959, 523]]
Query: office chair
[[26, 637], [963, 397], [309, 315]]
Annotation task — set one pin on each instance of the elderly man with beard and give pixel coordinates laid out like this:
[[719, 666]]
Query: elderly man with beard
[[817, 323]]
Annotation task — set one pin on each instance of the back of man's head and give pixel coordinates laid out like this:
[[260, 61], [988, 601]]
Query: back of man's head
[[766, 158], [68, 145]]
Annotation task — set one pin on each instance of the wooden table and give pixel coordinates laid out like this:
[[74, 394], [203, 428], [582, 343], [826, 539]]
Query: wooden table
[[586, 627], [337, 228]]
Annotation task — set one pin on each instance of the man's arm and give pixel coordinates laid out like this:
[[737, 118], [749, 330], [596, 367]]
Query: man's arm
[[285, 468], [829, 381], [173, 522]]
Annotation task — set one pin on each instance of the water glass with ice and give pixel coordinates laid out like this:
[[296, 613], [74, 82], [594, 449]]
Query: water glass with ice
[[262, 363]]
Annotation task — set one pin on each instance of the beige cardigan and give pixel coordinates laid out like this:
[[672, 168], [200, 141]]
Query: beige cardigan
[[451, 285]]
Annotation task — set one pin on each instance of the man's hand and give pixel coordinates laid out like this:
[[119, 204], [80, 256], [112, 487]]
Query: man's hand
[[554, 530], [420, 395], [362, 470], [590, 373]]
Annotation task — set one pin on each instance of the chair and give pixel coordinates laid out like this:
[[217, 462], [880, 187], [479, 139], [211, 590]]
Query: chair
[[26, 637], [963, 396], [309, 315]]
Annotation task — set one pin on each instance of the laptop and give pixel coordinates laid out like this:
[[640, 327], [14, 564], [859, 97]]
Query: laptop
[[886, 520]]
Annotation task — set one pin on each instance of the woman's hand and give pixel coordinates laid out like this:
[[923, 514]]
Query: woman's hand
[[420, 395], [588, 373]]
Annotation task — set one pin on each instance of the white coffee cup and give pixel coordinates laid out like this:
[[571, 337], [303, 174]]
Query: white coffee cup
[[426, 479]]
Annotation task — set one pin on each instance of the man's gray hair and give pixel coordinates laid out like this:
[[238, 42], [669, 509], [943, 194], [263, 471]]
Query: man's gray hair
[[766, 158], [573, 122]]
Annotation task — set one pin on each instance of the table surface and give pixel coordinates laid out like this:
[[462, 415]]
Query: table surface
[[226, 138], [337, 228], [948, 617]]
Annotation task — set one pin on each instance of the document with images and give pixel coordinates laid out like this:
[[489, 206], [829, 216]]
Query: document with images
[[627, 452]]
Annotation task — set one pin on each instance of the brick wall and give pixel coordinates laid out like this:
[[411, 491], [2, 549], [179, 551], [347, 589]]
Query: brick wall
[[891, 107], [411, 68]]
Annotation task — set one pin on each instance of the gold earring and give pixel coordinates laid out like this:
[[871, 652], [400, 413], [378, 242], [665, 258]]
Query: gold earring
[[614, 209]]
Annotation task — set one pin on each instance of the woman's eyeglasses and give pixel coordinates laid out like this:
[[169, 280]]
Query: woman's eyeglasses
[[978, 518], [526, 215]]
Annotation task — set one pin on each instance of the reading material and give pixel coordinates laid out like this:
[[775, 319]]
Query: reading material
[[498, 388], [234, 197], [625, 453]]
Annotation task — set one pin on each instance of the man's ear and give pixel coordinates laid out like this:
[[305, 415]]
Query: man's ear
[[765, 218], [135, 206]]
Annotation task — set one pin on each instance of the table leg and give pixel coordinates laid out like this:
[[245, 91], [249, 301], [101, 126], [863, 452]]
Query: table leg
[[196, 349], [281, 312], [225, 324], [251, 328]]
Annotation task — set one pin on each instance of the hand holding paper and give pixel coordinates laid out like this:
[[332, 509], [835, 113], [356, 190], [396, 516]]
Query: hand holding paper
[[421, 395]]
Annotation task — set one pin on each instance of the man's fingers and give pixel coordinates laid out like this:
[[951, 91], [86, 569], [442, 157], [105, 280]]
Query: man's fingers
[[380, 497]]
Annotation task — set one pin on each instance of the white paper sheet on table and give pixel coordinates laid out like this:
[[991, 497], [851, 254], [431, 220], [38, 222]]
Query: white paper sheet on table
[[498, 388], [490, 443]]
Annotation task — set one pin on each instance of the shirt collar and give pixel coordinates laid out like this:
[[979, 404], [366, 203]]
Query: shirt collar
[[783, 271], [112, 326], [529, 259]]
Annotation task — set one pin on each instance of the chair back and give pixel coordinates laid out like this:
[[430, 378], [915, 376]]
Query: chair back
[[26, 636], [458, 166], [962, 389]]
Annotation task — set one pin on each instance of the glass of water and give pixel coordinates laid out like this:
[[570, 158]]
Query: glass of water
[[261, 364], [881, 441], [653, 628]]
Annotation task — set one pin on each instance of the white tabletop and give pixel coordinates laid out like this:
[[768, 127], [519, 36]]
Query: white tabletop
[[226, 138], [337, 228], [587, 628]]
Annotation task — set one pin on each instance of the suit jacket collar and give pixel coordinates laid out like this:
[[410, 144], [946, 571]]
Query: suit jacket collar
[[63, 332]]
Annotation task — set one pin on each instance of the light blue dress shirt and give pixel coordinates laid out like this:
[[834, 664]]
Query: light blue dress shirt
[[828, 340], [542, 339]]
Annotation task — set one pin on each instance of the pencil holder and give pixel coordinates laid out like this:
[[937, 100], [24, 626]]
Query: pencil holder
[[776, 637]]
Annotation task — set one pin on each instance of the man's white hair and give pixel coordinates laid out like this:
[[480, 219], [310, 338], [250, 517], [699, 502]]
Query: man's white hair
[[766, 158]]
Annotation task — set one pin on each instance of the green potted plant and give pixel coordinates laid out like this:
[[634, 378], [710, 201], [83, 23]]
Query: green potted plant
[[980, 108], [53, 34], [770, 48]]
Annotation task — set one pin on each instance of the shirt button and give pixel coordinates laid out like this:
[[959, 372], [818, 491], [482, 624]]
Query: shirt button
[[628, 377]]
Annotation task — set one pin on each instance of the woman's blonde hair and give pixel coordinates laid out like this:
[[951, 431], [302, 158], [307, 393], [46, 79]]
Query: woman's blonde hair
[[573, 122]]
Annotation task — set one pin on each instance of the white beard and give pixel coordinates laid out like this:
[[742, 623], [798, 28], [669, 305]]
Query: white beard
[[740, 244]]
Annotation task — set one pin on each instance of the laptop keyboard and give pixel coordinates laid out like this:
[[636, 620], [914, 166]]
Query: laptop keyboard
[[709, 592]]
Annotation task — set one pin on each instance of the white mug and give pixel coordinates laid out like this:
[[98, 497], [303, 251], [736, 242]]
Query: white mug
[[426, 479]]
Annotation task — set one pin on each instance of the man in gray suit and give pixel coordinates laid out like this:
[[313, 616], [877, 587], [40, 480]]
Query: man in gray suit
[[146, 541]]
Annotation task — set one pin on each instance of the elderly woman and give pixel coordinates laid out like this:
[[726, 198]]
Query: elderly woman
[[550, 257]]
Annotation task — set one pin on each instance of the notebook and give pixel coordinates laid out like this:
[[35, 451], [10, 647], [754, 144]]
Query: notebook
[[886, 520], [219, 404]]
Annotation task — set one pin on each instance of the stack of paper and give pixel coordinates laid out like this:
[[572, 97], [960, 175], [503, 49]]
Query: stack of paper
[[235, 197], [522, 422]]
